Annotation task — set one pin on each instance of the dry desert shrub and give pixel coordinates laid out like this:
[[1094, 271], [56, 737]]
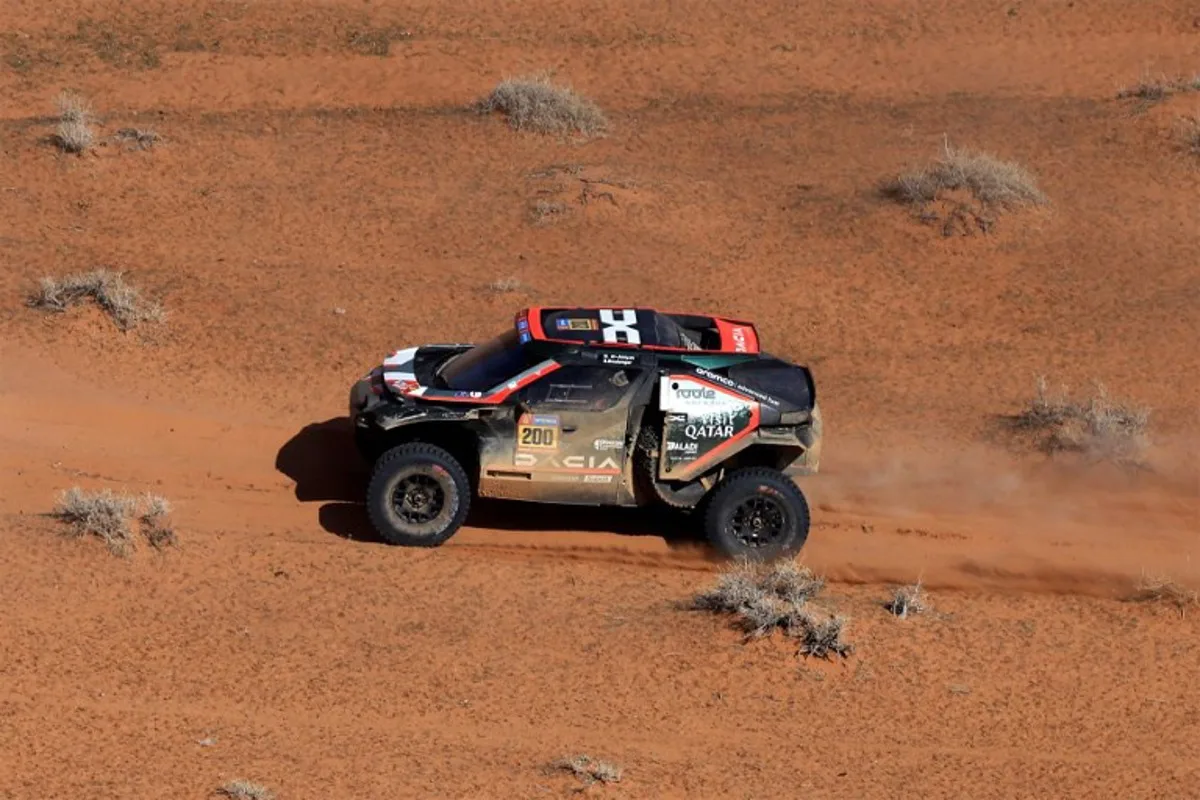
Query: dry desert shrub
[[747, 583], [589, 770], [970, 188], [1097, 427], [74, 133], [536, 104], [823, 638], [1161, 589], [907, 600], [107, 515], [156, 526], [121, 301], [766, 597], [996, 184], [103, 514], [246, 790]]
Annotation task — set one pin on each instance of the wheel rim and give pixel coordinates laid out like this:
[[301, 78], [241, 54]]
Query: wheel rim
[[758, 521], [418, 499]]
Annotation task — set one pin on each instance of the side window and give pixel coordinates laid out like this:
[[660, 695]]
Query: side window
[[582, 388]]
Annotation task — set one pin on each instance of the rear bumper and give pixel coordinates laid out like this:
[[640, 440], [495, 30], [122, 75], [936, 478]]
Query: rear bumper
[[813, 437]]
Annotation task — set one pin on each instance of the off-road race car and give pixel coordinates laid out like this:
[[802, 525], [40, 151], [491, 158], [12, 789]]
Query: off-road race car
[[594, 406]]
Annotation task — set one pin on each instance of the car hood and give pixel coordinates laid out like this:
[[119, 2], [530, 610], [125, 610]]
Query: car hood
[[408, 370]]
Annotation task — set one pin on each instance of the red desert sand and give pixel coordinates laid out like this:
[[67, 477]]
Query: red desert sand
[[321, 189]]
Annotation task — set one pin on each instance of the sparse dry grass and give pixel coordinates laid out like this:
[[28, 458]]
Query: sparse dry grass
[[246, 790], [768, 597], [504, 285], [907, 600], [74, 133], [1097, 427], [544, 212], [994, 183], [107, 515], [1161, 589], [1154, 89], [376, 41], [141, 138], [535, 103], [589, 770], [108, 289], [1191, 133]]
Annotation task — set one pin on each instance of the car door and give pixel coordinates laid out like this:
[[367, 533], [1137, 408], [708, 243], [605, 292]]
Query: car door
[[570, 436]]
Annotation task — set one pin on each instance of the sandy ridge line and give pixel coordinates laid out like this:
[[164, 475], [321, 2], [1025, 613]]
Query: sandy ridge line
[[883, 73]]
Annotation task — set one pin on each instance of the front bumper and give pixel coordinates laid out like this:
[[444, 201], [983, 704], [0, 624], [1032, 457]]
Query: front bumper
[[360, 396]]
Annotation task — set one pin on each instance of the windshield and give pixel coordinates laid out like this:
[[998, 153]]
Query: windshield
[[485, 366]]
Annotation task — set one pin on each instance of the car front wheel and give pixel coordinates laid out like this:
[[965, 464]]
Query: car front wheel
[[418, 495]]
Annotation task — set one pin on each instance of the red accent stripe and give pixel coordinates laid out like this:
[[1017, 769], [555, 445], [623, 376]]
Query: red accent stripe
[[535, 322], [568, 469], [521, 384]]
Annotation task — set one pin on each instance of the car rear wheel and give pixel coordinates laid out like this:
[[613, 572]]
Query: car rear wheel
[[757, 514], [418, 495]]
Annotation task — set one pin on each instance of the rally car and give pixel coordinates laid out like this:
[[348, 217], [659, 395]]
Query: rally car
[[594, 406]]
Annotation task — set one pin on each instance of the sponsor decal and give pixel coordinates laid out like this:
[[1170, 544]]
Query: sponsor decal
[[570, 463], [597, 478], [617, 359], [537, 432], [622, 328], [464, 393], [739, 339], [404, 387], [737, 387], [576, 324], [710, 426], [700, 418], [700, 393], [680, 394], [608, 444]]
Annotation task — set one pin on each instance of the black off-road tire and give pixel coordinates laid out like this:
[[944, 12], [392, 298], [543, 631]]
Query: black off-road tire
[[426, 473], [780, 506]]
